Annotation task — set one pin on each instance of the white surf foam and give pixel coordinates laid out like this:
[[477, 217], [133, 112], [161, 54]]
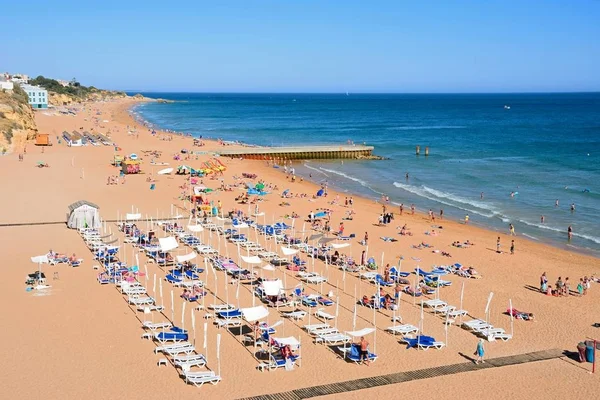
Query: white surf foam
[[554, 229], [420, 191], [350, 177]]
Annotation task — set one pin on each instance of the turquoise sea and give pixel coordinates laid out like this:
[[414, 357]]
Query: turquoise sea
[[546, 147]]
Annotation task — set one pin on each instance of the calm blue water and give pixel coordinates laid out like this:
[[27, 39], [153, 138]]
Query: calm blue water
[[545, 147]]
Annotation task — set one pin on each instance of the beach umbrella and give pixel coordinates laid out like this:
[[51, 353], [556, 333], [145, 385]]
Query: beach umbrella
[[205, 342], [421, 324], [354, 317], [337, 310], [172, 307], [512, 327], [462, 293], [154, 287], [219, 352], [162, 303], [183, 315], [487, 307], [193, 325]]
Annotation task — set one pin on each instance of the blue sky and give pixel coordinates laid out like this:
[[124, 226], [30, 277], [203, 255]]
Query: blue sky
[[308, 45]]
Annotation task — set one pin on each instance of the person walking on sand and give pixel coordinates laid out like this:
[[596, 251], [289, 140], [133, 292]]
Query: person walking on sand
[[412, 209], [479, 352], [512, 247], [498, 245], [441, 213], [467, 219], [511, 228], [366, 239]]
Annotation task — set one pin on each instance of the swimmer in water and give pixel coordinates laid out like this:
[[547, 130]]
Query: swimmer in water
[[572, 207], [556, 203], [570, 232], [481, 195], [542, 219], [512, 194]]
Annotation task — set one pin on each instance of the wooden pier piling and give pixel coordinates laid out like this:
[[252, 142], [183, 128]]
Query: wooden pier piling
[[302, 152]]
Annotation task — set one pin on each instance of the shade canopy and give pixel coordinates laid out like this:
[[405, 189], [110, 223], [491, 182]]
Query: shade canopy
[[288, 251], [195, 228], [251, 259], [165, 171], [187, 257], [40, 259], [252, 314], [362, 332], [272, 288], [130, 217], [339, 245], [288, 341], [168, 243]]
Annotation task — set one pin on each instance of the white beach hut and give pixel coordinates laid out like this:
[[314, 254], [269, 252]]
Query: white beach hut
[[83, 214]]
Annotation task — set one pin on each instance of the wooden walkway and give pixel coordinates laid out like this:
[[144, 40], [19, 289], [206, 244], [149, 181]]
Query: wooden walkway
[[390, 379]]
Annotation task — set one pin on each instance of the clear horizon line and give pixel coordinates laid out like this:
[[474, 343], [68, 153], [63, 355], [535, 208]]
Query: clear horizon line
[[360, 92]]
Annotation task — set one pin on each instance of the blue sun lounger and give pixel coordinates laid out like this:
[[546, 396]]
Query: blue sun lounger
[[279, 362], [423, 343], [230, 314], [353, 354], [172, 279], [380, 281], [171, 336], [191, 275], [307, 301], [395, 273]]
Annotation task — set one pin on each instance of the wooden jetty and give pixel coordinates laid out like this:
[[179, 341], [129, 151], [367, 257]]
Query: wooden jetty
[[302, 152]]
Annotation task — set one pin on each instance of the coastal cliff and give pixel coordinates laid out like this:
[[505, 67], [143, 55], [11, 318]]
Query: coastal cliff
[[17, 122]]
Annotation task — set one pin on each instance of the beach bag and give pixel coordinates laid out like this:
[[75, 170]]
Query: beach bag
[[289, 364]]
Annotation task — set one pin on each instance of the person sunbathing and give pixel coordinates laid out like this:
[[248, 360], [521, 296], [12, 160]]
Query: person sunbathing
[[471, 271], [73, 258], [186, 294]]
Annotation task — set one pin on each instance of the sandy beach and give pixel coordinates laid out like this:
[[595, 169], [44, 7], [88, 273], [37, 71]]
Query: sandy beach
[[83, 339]]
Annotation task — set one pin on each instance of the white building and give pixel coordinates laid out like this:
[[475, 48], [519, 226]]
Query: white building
[[38, 97], [6, 85], [19, 78]]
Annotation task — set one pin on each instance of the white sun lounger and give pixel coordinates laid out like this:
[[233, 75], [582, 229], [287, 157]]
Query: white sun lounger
[[403, 329], [316, 327], [297, 315], [501, 336], [140, 300], [175, 349], [229, 322], [315, 279], [135, 290], [200, 378], [457, 313], [324, 332], [474, 323], [324, 315], [370, 276], [156, 325], [435, 303], [334, 338], [188, 361], [435, 345], [221, 307], [151, 307]]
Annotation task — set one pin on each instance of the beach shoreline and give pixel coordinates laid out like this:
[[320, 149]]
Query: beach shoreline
[[103, 340], [393, 204]]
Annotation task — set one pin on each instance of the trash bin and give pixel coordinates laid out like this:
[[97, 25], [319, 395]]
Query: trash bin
[[581, 347], [589, 352]]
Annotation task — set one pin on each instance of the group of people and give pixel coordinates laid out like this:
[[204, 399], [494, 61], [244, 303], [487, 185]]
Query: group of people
[[563, 288]]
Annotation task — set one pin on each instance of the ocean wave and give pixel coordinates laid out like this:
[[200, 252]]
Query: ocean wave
[[551, 228], [315, 169], [530, 237], [447, 199], [352, 178], [415, 128]]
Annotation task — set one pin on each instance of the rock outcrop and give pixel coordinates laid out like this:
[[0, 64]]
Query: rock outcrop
[[17, 122]]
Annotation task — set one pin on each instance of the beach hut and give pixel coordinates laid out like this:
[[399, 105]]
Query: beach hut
[[42, 139], [73, 139], [131, 167], [83, 214], [117, 160]]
